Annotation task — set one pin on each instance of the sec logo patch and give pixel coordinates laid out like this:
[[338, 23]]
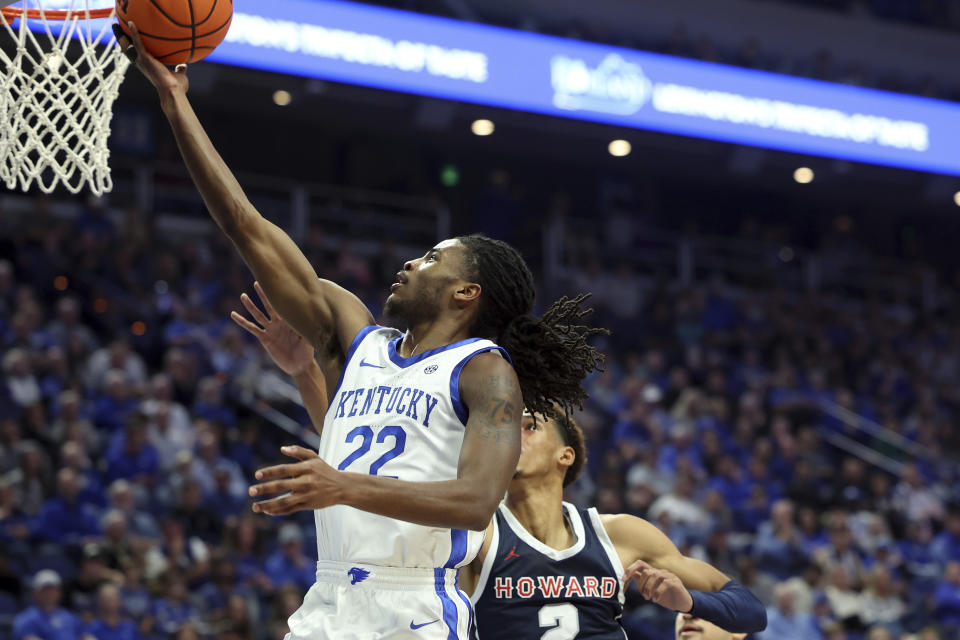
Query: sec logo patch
[[431, 368]]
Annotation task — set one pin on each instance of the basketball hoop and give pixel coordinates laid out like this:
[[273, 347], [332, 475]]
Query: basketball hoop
[[57, 89]]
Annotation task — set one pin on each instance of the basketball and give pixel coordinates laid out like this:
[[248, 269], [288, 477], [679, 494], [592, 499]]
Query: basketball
[[177, 31]]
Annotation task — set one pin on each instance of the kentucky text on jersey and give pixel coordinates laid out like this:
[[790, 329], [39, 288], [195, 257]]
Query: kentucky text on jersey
[[385, 400], [564, 587]]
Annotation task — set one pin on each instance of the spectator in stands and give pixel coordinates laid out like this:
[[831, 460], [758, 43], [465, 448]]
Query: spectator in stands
[[846, 603], [946, 546], [784, 622], [914, 499], [210, 404], [173, 609], [238, 622], [81, 592], [841, 549], [188, 555], [947, 599], [46, 619], [73, 456], [289, 564], [181, 368], [210, 459], [119, 356], [285, 602], [131, 457], [112, 408], [118, 548], [679, 505], [881, 602], [170, 430], [34, 478], [141, 523], [110, 622], [68, 327], [135, 600], [778, 545], [14, 522], [214, 598], [224, 502], [71, 423], [194, 508], [64, 519], [21, 383]]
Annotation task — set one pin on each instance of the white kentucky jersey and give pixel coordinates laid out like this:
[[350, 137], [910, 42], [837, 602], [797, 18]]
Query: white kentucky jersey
[[402, 418]]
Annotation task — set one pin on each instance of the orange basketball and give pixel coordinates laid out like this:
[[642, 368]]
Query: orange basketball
[[177, 31]]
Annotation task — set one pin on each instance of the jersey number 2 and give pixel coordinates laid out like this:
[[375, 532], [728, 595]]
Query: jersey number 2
[[365, 433], [563, 619]]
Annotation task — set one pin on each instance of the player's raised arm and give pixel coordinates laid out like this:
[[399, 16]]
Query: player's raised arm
[[317, 309], [488, 458], [289, 351], [673, 580]]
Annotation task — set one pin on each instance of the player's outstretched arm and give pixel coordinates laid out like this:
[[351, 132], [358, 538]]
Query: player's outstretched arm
[[488, 458], [677, 582], [317, 309], [289, 351]]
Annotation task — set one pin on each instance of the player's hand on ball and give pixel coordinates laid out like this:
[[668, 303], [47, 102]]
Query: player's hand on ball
[[157, 73], [308, 484], [288, 349], [660, 586]]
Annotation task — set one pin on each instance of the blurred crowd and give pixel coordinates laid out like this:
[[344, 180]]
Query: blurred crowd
[[127, 441]]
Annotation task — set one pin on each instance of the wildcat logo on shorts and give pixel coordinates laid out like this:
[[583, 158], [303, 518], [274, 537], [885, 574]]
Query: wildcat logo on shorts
[[357, 575], [431, 368]]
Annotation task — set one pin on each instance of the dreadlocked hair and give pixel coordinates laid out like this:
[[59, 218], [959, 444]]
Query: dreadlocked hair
[[550, 354], [572, 436]]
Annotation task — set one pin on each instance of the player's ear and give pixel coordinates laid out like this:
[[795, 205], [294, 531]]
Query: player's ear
[[567, 456], [738, 636], [466, 292]]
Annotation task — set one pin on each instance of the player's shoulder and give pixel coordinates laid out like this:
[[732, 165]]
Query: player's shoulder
[[489, 367], [624, 527]]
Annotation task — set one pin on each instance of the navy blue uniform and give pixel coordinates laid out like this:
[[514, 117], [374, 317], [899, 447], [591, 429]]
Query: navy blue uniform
[[528, 590]]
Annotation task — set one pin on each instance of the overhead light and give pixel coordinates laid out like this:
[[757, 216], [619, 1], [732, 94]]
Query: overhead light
[[619, 148], [482, 127], [956, 198], [282, 98], [803, 175]]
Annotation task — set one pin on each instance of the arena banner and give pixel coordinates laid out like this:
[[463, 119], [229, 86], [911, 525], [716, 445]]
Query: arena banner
[[414, 53]]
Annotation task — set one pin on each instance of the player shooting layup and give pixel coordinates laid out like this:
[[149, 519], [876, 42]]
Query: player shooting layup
[[547, 568], [423, 430]]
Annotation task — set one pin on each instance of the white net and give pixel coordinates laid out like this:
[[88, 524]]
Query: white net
[[58, 82]]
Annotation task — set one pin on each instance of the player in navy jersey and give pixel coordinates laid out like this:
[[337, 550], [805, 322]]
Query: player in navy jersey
[[546, 567], [688, 627]]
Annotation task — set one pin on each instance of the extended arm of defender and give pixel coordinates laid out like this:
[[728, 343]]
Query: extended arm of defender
[[637, 539], [655, 563], [317, 309], [488, 458]]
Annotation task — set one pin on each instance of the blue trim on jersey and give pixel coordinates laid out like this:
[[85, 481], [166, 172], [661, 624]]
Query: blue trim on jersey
[[458, 407], [458, 548], [449, 607], [400, 361], [470, 630], [363, 333]]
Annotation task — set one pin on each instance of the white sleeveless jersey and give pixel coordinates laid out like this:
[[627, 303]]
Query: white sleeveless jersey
[[401, 418]]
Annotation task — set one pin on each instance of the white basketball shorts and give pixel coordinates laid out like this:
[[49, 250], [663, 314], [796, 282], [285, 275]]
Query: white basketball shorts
[[368, 602]]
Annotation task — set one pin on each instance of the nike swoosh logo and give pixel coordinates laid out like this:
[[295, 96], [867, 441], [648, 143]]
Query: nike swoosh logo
[[417, 626], [364, 363]]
